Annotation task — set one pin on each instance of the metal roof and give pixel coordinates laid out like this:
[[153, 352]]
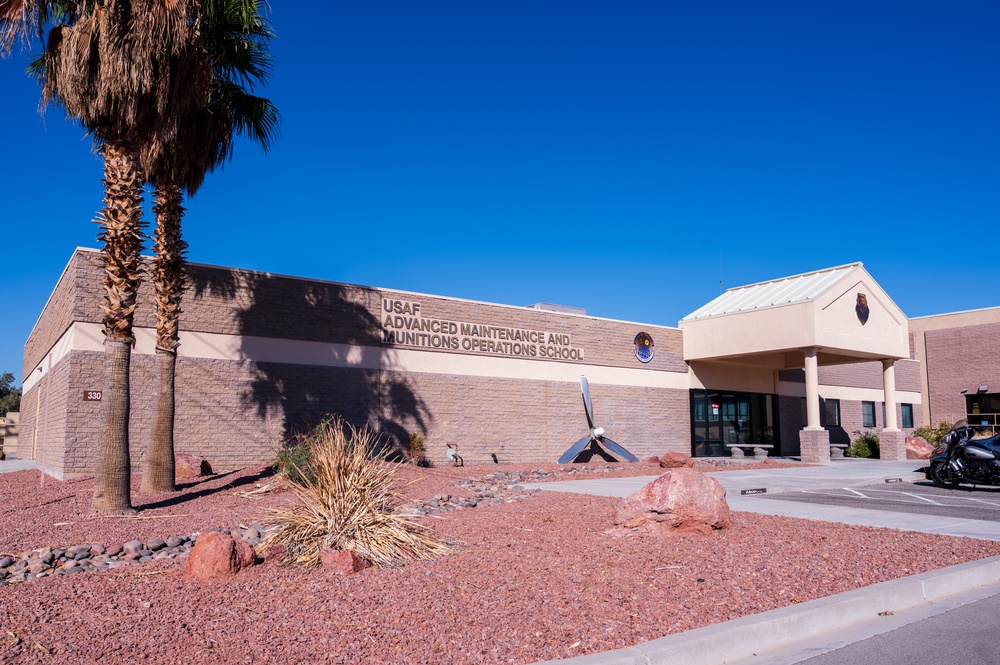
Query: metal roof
[[785, 291]]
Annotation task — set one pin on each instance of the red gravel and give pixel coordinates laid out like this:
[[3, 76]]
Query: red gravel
[[533, 580]]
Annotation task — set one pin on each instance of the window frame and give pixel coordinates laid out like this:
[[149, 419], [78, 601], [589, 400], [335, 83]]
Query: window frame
[[835, 420], [868, 414], [906, 415]]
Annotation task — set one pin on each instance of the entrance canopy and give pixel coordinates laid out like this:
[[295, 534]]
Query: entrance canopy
[[840, 313], [828, 317]]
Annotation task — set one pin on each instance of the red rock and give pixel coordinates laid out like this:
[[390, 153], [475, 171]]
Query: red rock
[[917, 447], [190, 466], [343, 562], [275, 553], [218, 556], [676, 461], [679, 500], [653, 460]]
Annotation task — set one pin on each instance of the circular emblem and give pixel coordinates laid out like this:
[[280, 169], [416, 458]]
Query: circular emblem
[[643, 347]]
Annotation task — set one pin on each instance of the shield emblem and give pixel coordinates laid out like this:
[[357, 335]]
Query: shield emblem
[[862, 308]]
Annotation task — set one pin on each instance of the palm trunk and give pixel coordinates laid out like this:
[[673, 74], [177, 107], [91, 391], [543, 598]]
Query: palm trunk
[[168, 285], [122, 237], [112, 480], [158, 468]]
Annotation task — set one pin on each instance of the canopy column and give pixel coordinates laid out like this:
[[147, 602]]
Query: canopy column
[[892, 444], [814, 441]]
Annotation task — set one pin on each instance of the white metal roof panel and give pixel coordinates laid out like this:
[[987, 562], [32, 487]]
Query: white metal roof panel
[[774, 293]]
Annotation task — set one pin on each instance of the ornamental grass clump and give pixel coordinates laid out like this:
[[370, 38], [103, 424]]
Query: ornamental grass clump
[[346, 504]]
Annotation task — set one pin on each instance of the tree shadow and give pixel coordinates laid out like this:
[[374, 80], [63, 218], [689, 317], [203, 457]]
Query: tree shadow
[[177, 499], [314, 349]]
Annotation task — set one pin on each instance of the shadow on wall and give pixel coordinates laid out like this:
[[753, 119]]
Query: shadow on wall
[[302, 383]]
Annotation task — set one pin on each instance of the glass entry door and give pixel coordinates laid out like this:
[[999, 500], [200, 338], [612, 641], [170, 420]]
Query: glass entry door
[[719, 418]]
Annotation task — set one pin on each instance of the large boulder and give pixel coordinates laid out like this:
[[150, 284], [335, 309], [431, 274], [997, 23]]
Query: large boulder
[[676, 461], [917, 447], [191, 466], [216, 555], [679, 500]]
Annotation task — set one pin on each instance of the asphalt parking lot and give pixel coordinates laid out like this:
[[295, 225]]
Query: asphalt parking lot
[[920, 497]]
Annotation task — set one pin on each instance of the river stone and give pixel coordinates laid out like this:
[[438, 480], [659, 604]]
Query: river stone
[[132, 547], [155, 544]]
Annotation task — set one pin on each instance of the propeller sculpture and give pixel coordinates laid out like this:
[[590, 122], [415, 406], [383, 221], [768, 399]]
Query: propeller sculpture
[[596, 437]]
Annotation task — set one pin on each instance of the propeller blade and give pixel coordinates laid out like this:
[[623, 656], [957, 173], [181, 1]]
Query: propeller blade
[[585, 387], [575, 450], [618, 450]]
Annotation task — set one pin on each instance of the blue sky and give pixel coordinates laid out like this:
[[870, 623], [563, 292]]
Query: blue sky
[[623, 157]]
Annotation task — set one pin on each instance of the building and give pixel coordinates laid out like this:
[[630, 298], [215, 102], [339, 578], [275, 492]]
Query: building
[[796, 364]]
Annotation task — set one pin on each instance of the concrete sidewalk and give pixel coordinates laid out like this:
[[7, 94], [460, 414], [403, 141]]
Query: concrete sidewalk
[[9, 465], [792, 634]]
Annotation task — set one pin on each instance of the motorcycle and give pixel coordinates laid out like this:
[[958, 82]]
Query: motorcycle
[[963, 459]]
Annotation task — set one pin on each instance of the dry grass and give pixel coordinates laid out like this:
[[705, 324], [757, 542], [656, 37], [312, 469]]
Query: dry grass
[[348, 506]]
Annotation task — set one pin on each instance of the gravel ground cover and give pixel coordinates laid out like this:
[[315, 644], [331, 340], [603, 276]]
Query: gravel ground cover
[[535, 577]]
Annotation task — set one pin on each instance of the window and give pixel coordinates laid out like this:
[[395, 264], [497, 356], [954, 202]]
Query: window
[[832, 412], [868, 414], [907, 411], [883, 414]]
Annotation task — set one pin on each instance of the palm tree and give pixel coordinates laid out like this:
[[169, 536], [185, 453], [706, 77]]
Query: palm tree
[[226, 56], [102, 63]]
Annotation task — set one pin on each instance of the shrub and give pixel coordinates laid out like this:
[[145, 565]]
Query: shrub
[[347, 505], [415, 449], [293, 461], [934, 435], [865, 444], [416, 443]]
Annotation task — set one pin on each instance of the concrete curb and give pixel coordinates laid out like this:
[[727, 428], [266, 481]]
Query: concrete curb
[[751, 635]]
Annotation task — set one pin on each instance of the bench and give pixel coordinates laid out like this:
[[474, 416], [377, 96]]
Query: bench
[[837, 450], [759, 449]]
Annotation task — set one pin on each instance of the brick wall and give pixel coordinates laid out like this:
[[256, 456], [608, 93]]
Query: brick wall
[[538, 420], [869, 375], [55, 318], [960, 359], [860, 375], [238, 412]]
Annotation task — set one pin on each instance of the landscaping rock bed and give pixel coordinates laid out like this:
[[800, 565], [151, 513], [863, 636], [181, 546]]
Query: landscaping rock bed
[[531, 580]]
